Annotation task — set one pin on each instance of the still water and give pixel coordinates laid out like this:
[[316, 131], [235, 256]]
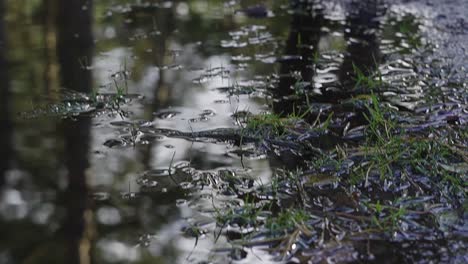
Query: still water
[[89, 172]]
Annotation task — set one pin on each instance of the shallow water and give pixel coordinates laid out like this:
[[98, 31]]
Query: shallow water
[[119, 119]]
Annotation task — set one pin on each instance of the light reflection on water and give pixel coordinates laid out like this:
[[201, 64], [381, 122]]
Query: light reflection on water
[[178, 56]]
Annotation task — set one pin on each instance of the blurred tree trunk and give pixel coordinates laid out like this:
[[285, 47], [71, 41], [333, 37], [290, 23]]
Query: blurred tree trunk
[[49, 15], [5, 104], [74, 49], [75, 43]]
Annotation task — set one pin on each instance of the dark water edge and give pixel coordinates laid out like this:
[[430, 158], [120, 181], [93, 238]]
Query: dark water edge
[[233, 131]]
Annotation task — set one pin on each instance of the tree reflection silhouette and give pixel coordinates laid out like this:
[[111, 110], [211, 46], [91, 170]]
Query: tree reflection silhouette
[[362, 41], [5, 119], [297, 90], [75, 44], [301, 47]]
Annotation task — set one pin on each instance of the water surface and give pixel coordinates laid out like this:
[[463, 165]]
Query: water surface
[[88, 175]]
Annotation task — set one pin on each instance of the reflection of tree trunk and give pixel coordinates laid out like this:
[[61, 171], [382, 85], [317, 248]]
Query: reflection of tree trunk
[[5, 122], [74, 45], [76, 226], [363, 49], [164, 20], [50, 45], [301, 47], [302, 42]]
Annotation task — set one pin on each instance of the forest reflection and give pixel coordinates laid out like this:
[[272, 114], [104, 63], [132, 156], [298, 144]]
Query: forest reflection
[[189, 66], [68, 49], [74, 45]]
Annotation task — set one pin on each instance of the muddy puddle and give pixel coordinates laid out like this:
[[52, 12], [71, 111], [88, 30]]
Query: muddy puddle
[[233, 131]]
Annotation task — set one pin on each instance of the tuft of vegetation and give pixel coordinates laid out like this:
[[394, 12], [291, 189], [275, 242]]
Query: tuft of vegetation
[[370, 82], [376, 186], [286, 221]]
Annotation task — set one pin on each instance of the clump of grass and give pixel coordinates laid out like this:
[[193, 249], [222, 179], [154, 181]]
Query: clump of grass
[[330, 160], [385, 218], [275, 125], [391, 157], [371, 82], [243, 216], [386, 150], [286, 221], [380, 126], [271, 125], [120, 91], [267, 120]]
